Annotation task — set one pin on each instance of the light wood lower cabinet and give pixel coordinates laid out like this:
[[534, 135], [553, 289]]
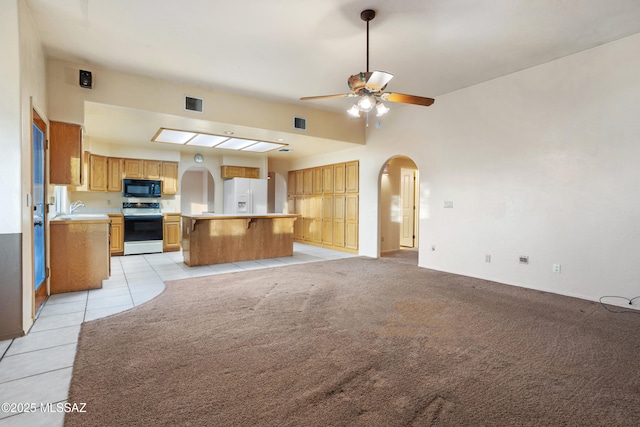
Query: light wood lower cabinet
[[171, 232], [327, 220], [338, 220], [80, 256], [351, 222], [116, 239]]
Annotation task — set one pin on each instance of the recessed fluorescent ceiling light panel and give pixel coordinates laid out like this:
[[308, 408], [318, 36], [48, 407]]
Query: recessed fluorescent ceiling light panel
[[173, 136], [205, 140], [215, 141], [261, 147], [236, 143]]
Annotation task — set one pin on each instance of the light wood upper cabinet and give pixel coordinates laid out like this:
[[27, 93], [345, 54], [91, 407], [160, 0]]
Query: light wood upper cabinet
[[114, 174], [133, 168], [339, 178], [252, 173], [228, 172], [151, 169], [352, 177], [327, 179], [169, 178], [308, 181], [65, 153], [291, 184], [98, 173], [105, 173], [317, 180], [299, 182]]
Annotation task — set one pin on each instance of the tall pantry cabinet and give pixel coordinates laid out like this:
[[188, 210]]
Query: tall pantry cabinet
[[326, 198]]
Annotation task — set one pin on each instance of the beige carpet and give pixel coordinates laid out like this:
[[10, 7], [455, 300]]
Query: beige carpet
[[357, 342], [405, 255]]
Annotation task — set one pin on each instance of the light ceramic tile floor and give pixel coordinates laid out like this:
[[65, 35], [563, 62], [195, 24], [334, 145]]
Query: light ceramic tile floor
[[36, 369]]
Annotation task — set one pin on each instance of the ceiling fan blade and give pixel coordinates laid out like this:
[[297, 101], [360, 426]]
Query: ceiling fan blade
[[378, 80], [342, 95], [407, 99]]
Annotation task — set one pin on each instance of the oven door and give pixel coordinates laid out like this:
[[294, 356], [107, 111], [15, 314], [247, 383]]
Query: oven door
[[138, 228]]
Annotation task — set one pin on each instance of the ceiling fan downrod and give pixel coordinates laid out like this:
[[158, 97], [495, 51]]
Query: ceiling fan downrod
[[367, 15]]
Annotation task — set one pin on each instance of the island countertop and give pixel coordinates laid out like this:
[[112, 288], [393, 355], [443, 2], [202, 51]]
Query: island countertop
[[210, 238], [208, 215]]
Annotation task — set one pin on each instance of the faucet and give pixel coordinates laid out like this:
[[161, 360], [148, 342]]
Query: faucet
[[75, 205]]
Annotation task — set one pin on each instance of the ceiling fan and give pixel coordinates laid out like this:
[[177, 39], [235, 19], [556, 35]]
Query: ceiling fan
[[369, 86]]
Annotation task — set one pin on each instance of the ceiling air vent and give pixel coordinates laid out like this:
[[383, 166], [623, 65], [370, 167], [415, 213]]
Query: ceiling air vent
[[193, 104], [299, 123]]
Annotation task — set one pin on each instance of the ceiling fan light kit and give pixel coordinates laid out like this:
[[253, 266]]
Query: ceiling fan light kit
[[369, 86]]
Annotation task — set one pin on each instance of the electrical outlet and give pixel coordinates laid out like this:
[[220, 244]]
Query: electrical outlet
[[556, 268], [448, 204], [487, 258]]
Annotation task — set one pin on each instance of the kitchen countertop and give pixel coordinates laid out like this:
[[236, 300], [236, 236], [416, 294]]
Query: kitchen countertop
[[81, 218]]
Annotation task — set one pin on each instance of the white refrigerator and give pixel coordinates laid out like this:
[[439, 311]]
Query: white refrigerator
[[245, 196]]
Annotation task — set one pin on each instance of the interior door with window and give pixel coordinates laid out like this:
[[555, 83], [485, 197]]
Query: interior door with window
[[39, 213]]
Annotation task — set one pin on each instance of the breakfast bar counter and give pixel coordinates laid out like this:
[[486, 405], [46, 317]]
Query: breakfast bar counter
[[220, 238]]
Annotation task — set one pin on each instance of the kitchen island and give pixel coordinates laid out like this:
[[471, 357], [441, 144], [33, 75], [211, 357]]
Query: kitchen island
[[219, 238]]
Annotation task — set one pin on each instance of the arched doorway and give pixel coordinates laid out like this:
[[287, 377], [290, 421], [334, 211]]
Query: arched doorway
[[398, 209], [196, 191]]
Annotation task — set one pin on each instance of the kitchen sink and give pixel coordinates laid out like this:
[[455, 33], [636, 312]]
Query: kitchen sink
[[82, 216]]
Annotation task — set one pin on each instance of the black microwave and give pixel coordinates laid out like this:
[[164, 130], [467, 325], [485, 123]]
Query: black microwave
[[141, 188]]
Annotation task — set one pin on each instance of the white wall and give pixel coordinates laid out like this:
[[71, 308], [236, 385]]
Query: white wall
[[542, 163], [10, 125]]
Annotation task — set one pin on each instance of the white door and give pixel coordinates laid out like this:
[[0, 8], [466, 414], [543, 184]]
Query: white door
[[407, 199]]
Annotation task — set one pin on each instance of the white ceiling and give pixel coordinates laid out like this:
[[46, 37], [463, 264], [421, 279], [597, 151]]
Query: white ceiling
[[287, 49]]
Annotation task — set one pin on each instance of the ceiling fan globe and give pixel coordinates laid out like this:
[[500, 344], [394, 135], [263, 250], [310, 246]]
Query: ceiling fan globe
[[366, 103]]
